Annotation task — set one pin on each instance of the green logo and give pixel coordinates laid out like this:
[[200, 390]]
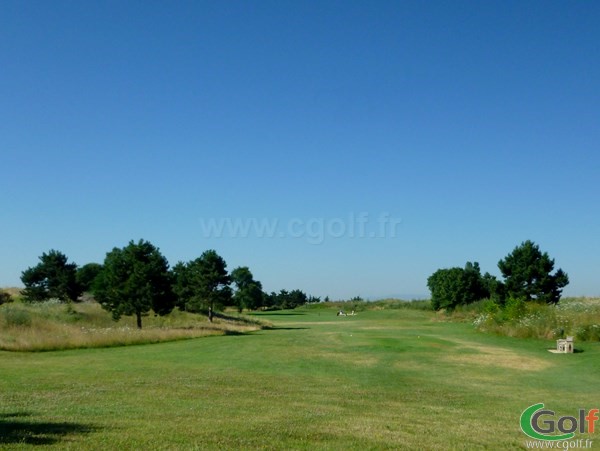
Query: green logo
[[536, 427]]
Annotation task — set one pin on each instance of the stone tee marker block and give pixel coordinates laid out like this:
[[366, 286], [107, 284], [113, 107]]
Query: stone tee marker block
[[564, 345]]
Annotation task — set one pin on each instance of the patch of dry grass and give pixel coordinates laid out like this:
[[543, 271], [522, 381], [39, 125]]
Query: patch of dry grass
[[51, 326], [476, 354]]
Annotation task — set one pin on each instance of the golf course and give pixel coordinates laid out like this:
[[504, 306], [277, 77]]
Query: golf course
[[381, 379]]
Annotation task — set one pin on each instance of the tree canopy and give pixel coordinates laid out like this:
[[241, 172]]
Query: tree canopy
[[203, 284], [527, 274], [135, 280], [457, 286], [53, 277], [249, 293], [287, 299], [87, 274]]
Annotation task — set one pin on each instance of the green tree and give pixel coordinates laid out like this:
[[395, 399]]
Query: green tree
[[202, 285], [248, 293], [87, 274], [286, 299], [270, 301], [213, 286], [53, 277], [295, 299], [495, 288], [456, 286], [527, 274], [182, 285], [135, 280]]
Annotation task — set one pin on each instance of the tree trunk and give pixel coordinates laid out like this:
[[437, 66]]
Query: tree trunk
[[139, 319]]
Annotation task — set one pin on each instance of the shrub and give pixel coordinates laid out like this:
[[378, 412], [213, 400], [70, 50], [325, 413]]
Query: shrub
[[491, 307], [589, 332], [5, 297], [17, 317], [514, 308]]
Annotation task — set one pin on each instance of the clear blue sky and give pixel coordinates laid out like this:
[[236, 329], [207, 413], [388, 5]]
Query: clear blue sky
[[474, 125]]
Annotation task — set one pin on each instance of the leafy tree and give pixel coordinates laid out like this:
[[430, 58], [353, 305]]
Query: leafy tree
[[87, 274], [495, 288], [285, 299], [182, 286], [248, 292], [213, 282], [295, 299], [203, 284], [135, 280], [270, 301], [527, 274], [242, 277], [53, 277], [476, 284], [456, 286]]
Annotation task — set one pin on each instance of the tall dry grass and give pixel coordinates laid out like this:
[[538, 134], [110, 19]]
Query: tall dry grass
[[55, 326]]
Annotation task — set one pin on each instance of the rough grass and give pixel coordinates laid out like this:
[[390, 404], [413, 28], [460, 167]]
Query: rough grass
[[577, 317], [384, 379], [55, 326]]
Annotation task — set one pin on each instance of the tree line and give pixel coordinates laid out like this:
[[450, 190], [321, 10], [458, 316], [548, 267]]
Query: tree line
[[137, 279], [527, 274]]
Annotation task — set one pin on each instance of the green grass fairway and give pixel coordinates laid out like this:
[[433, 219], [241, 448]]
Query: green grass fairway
[[387, 379]]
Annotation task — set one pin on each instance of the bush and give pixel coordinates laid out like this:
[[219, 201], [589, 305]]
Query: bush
[[514, 308], [16, 317], [5, 297], [491, 307]]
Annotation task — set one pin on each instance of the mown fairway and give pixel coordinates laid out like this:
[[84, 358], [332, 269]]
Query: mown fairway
[[388, 379]]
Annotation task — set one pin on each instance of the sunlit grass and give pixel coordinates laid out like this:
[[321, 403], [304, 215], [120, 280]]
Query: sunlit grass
[[382, 379]]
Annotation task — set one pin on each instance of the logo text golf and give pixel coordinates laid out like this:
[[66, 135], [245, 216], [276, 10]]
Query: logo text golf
[[540, 424]]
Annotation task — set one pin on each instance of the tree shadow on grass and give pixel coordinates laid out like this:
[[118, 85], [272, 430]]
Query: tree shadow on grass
[[284, 328], [16, 427], [238, 319], [234, 332], [282, 313], [258, 332]]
